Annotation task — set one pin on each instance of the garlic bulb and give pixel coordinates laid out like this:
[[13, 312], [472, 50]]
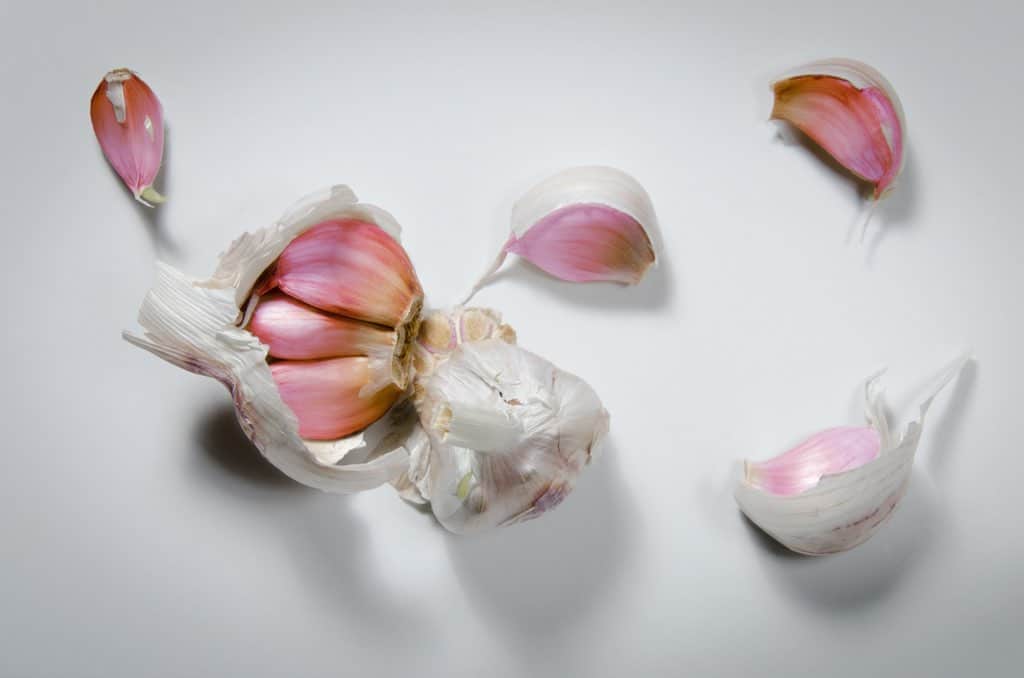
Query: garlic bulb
[[508, 433], [129, 124], [852, 112], [584, 224], [336, 303], [834, 491]]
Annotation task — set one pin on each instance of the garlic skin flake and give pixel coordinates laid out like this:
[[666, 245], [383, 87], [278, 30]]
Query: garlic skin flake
[[584, 224], [834, 491], [128, 121], [200, 326], [508, 434], [852, 112]]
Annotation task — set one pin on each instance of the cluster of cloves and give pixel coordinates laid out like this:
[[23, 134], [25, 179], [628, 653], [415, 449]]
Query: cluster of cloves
[[317, 326]]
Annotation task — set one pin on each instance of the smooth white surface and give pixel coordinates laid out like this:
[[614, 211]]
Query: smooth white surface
[[142, 535]]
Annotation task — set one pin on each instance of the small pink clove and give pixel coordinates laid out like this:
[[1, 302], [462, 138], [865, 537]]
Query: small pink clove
[[826, 453], [129, 124]]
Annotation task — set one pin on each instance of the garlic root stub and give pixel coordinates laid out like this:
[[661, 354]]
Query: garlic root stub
[[339, 310]]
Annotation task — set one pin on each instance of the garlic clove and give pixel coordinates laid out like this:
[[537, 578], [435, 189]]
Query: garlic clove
[[349, 267], [509, 434], [325, 395], [587, 243], [852, 112], [293, 330], [825, 453], [833, 492], [128, 122], [199, 325], [585, 224]]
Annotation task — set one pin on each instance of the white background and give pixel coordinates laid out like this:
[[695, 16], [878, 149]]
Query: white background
[[143, 535]]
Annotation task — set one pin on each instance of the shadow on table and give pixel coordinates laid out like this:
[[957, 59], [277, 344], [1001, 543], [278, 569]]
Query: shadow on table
[[327, 544], [538, 581]]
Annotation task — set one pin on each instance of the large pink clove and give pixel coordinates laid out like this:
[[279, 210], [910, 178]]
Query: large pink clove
[[294, 330], [129, 124], [352, 268], [324, 395]]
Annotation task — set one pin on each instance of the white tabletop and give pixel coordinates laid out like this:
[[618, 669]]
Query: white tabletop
[[142, 533]]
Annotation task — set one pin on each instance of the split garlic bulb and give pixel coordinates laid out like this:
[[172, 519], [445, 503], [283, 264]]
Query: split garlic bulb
[[336, 303], [506, 433], [584, 224], [852, 112], [834, 490]]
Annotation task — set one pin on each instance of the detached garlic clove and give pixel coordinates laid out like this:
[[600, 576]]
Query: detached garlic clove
[[204, 327], [585, 224], [836, 489], [852, 112], [509, 434], [129, 124]]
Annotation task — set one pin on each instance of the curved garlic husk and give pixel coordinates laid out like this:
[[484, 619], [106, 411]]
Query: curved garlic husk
[[852, 112], [584, 224], [508, 435], [836, 489], [204, 327], [129, 124]]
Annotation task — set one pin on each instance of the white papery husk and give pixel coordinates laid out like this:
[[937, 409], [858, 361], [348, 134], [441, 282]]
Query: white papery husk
[[198, 326], [843, 510], [509, 434]]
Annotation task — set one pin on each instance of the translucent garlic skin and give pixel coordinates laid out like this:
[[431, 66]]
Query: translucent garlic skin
[[835, 490], [200, 326], [509, 433], [852, 112], [128, 121]]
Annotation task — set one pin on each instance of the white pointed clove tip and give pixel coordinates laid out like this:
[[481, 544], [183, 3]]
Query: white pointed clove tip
[[833, 491]]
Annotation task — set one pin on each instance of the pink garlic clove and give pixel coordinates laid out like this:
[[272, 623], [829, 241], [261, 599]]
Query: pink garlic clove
[[801, 468], [852, 112], [294, 330], [129, 124], [324, 395], [352, 268], [584, 224], [587, 243]]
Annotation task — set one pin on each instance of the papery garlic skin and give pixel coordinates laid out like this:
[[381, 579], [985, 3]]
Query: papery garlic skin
[[584, 224], [200, 326], [129, 124], [835, 490], [852, 112], [509, 434]]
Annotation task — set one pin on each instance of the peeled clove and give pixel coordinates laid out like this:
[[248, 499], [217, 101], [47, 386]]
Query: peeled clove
[[585, 224], [852, 112], [129, 124], [834, 490], [332, 377]]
